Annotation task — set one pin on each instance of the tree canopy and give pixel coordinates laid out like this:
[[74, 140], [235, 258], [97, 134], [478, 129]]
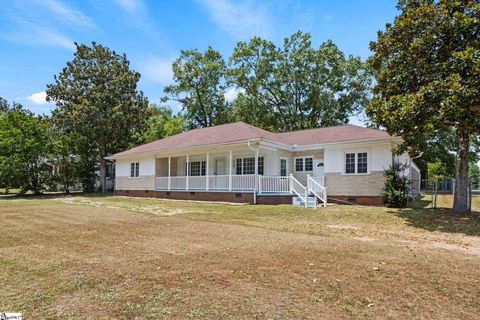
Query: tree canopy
[[98, 104], [427, 66], [296, 86], [163, 123], [25, 146], [199, 87]]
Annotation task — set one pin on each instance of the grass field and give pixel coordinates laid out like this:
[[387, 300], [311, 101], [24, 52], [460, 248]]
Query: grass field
[[94, 257]]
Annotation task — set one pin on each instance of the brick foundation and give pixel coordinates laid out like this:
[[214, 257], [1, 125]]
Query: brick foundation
[[241, 197], [274, 199], [364, 200], [237, 197]]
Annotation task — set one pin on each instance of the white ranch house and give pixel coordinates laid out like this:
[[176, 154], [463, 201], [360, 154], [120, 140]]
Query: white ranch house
[[241, 163]]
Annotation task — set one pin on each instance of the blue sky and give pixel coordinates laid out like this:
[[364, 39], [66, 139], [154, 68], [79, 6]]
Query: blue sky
[[37, 36]]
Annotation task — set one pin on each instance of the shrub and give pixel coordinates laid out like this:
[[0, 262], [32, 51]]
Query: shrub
[[397, 187]]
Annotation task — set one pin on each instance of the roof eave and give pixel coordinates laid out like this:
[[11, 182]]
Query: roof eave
[[339, 143], [205, 146]]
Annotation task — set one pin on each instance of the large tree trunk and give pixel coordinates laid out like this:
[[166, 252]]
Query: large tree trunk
[[103, 179], [460, 200]]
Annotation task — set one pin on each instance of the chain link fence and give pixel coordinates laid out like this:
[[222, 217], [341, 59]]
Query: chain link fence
[[446, 186]]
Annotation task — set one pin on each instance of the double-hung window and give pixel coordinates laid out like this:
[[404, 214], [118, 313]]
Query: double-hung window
[[247, 165], [134, 169], [304, 164], [356, 162]]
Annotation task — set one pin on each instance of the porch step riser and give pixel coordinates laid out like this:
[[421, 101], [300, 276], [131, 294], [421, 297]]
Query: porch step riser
[[299, 202]]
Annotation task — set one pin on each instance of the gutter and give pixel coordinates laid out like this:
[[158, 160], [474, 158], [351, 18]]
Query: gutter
[[140, 154]]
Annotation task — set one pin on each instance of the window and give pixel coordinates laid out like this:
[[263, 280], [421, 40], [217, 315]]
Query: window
[[247, 165], [299, 164], [350, 163], [134, 169], [362, 162], [283, 167], [197, 168], [356, 162], [308, 164], [304, 164]]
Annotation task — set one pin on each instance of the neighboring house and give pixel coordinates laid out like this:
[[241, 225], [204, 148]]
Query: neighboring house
[[238, 162]]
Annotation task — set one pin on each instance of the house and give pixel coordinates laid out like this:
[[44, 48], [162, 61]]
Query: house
[[238, 162]]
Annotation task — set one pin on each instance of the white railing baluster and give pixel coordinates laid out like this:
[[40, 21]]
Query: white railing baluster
[[320, 191]]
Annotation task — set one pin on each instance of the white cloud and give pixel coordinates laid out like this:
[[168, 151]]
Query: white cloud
[[38, 98], [241, 20], [50, 37], [131, 6], [70, 15], [158, 69], [232, 93]]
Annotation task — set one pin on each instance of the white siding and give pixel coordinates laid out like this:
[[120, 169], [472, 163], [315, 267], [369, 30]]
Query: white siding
[[147, 166], [379, 156]]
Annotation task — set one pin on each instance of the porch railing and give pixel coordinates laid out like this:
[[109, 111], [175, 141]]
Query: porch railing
[[299, 189], [220, 183], [318, 190], [274, 184], [261, 184]]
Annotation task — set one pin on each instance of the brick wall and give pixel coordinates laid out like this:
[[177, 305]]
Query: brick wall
[[199, 196], [274, 199], [363, 200], [355, 185], [241, 197], [139, 183]]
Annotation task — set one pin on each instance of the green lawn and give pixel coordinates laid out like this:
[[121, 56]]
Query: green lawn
[[103, 257]]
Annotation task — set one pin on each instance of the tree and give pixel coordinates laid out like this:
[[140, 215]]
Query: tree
[[25, 145], [199, 87], [64, 157], [98, 105], [397, 187], [474, 174], [163, 123], [297, 86], [428, 74], [4, 106]]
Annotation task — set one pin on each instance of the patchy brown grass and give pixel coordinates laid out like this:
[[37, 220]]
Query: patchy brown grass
[[108, 258]]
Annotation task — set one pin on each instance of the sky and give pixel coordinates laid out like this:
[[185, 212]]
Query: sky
[[37, 36]]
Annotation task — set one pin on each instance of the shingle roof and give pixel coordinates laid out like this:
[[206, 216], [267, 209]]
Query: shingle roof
[[241, 131], [340, 133]]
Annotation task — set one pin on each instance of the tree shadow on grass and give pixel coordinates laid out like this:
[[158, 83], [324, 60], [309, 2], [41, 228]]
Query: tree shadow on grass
[[53, 195], [443, 220]]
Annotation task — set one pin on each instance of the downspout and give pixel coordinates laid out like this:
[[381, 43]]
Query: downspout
[[115, 178], [256, 170]]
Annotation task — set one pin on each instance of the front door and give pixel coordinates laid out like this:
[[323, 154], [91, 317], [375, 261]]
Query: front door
[[318, 168], [220, 167]]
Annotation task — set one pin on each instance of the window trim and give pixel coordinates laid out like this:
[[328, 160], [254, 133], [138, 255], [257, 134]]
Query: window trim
[[136, 169], [303, 165], [356, 152], [202, 168], [280, 166], [242, 161]]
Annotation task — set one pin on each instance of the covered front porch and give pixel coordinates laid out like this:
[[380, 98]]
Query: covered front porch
[[255, 169]]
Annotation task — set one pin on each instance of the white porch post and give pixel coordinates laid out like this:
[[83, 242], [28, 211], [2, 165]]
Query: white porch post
[[187, 172], [256, 169], [169, 171], [230, 170], [206, 172]]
